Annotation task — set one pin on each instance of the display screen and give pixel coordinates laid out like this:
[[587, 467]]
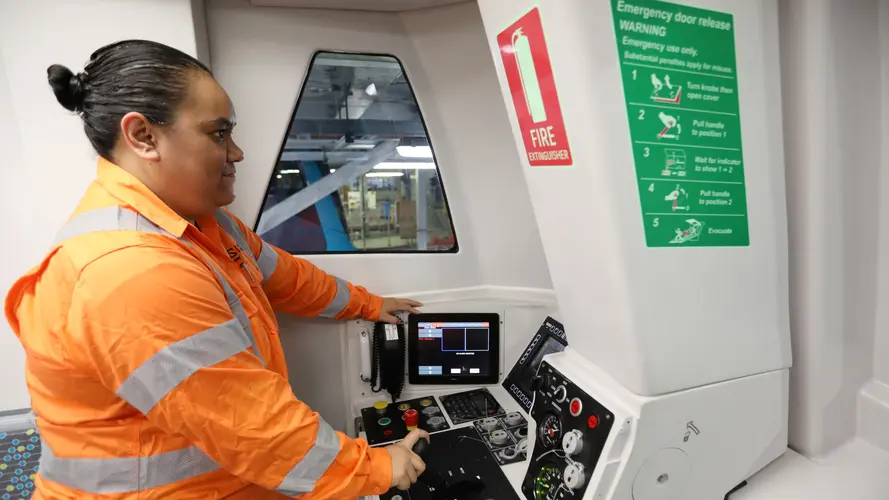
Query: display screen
[[453, 349]]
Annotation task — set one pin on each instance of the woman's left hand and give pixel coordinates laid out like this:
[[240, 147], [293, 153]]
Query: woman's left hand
[[392, 305]]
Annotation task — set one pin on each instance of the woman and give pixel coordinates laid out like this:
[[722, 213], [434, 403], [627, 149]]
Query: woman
[[153, 358]]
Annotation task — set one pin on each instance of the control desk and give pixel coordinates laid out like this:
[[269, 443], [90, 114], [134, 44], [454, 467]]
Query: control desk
[[467, 455], [555, 459]]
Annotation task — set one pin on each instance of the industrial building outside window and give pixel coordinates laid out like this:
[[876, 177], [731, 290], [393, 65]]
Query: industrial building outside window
[[356, 171]]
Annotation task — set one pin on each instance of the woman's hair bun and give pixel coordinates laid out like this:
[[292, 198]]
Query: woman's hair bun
[[67, 86]]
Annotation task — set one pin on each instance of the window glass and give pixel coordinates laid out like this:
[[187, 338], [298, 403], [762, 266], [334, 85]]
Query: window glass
[[356, 172]]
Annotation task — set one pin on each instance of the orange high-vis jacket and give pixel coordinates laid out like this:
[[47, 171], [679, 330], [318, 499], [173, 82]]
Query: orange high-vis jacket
[[154, 364]]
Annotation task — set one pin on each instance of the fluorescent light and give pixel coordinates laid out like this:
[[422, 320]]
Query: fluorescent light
[[371, 89], [384, 174], [412, 165], [279, 176], [290, 171], [332, 171], [361, 146], [415, 151]]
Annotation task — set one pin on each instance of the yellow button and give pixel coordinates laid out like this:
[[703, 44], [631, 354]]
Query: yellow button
[[30, 431], [381, 405], [2, 466]]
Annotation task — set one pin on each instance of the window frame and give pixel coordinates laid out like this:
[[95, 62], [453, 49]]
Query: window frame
[[453, 250]]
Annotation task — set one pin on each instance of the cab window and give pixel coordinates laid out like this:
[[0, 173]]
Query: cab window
[[356, 171]]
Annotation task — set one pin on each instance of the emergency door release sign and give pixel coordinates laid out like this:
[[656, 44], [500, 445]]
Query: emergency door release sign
[[530, 77]]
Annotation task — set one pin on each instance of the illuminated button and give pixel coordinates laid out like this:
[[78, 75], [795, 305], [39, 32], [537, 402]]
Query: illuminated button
[[575, 407], [426, 402], [381, 406], [387, 432], [404, 407], [593, 422], [384, 421]]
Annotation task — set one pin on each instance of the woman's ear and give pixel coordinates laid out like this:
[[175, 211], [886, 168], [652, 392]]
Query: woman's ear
[[140, 136]]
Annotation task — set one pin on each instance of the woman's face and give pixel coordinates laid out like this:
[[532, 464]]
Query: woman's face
[[197, 153]]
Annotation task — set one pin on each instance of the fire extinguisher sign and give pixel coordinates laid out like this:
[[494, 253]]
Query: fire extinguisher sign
[[530, 77]]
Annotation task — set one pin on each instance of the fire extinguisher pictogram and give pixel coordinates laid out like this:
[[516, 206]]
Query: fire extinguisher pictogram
[[528, 74]]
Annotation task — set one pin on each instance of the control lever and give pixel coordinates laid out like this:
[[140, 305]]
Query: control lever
[[443, 491], [539, 382], [420, 448]]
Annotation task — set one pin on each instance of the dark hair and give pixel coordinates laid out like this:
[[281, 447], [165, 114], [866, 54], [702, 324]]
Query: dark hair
[[132, 75]]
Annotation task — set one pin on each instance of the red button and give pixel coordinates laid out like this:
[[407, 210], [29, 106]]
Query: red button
[[387, 432], [411, 418], [593, 421], [575, 407]]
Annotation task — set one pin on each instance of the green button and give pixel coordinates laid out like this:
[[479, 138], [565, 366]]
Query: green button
[[384, 421]]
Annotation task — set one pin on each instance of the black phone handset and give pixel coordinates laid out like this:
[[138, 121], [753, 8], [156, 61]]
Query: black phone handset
[[387, 362]]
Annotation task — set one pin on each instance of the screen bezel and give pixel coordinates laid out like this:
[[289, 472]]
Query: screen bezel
[[413, 333]]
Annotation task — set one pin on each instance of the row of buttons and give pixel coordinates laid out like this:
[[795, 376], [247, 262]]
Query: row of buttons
[[575, 406]]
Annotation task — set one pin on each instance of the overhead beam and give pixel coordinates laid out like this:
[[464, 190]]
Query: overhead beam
[[356, 128], [313, 193]]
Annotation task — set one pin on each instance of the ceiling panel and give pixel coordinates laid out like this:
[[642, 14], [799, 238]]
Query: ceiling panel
[[366, 5]]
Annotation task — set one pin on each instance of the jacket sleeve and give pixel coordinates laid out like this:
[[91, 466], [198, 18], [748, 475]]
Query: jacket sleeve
[[162, 337], [298, 287]]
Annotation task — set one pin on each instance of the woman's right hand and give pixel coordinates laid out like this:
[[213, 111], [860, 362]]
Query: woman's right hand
[[406, 465]]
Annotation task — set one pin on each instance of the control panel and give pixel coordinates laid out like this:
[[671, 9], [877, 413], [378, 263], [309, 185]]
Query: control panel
[[471, 405], [572, 429]]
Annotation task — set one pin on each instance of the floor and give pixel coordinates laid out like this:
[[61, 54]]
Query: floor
[[857, 471]]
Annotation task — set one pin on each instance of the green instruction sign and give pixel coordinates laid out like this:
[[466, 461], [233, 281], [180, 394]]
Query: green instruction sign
[[681, 89]]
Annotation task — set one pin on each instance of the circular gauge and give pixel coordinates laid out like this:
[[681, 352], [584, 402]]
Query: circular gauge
[[550, 431], [547, 482]]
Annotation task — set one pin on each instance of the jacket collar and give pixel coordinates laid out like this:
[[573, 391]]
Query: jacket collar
[[136, 195]]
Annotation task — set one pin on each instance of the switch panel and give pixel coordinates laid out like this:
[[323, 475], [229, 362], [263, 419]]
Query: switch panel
[[572, 428]]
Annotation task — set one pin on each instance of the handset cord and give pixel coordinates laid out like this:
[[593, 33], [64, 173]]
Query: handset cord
[[391, 379], [375, 361]]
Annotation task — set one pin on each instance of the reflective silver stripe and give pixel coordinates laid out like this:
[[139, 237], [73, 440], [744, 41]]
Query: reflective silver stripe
[[112, 218], [302, 477], [116, 218], [267, 261], [234, 304], [340, 300], [237, 308], [170, 366], [229, 225], [124, 475]]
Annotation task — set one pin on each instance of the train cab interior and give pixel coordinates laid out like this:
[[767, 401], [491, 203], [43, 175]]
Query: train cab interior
[[648, 235]]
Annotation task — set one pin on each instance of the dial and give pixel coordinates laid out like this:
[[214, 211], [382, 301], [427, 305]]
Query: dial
[[547, 482], [550, 431]]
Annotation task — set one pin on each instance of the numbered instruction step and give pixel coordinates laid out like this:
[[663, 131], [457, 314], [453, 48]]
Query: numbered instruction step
[[679, 73]]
